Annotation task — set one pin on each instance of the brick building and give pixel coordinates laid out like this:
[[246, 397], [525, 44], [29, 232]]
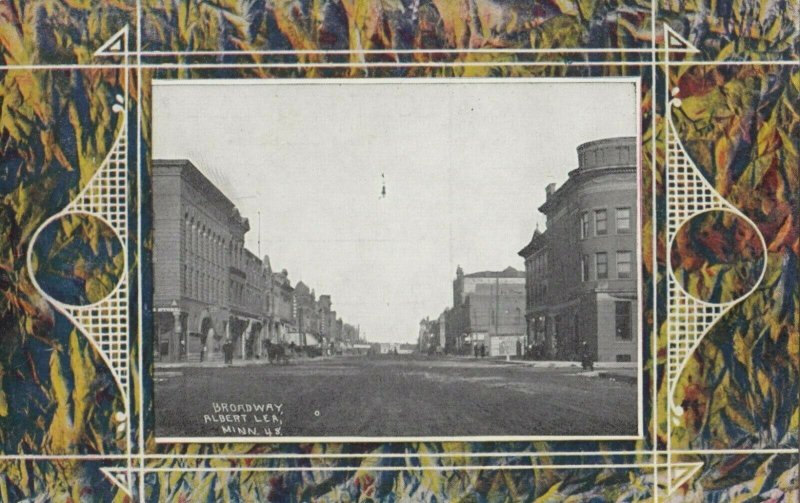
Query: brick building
[[209, 287], [281, 295], [581, 273], [206, 285], [488, 309], [307, 315]]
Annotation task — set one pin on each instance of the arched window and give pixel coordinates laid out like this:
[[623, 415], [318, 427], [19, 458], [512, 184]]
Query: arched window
[[190, 235], [185, 234], [196, 238], [204, 233]]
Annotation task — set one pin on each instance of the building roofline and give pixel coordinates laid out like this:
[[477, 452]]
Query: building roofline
[[584, 172], [580, 175], [614, 140], [508, 272], [189, 171], [537, 242]]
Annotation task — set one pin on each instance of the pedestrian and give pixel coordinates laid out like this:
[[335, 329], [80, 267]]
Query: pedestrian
[[203, 348], [483, 350], [227, 348], [587, 359]]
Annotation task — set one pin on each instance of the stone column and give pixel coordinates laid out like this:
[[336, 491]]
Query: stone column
[[246, 334], [259, 344]]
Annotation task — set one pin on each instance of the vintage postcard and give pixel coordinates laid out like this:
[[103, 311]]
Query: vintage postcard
[[431, 301], [364, 250]]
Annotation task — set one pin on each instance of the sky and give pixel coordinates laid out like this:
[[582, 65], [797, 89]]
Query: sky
[[465, 165]]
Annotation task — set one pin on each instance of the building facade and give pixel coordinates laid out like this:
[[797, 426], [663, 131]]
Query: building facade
[[581, 273], [206, 286], [209, 288], [535, 255], [308, 316], [488, 310], [429, 339]]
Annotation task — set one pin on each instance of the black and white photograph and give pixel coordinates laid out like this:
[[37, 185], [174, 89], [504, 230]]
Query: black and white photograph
[[396, 259]]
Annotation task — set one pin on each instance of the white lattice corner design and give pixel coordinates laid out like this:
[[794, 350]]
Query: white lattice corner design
[[104, 323], [688, 318], [120, 477]]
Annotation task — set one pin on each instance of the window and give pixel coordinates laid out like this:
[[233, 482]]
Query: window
[[585, 268], [584, 225], [623, 358], [623, 220], [601, 263], [623, 264], [622, 317], [600, 222], [190, 236]]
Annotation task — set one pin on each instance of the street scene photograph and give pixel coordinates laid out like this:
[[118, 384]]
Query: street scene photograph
[[377, 258]]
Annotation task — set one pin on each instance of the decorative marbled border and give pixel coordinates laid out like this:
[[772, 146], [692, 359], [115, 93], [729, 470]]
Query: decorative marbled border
[[677, 472]]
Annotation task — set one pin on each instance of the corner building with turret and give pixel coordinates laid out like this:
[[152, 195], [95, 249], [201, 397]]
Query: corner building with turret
[[582, 272]]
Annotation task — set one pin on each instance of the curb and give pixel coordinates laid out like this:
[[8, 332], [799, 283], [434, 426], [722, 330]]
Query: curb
[[619, 377]]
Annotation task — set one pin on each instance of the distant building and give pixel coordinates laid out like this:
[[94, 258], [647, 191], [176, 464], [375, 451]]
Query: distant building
[[489, 310], [581, 273], [384, 348], [442, 326], [341, 336], [327, 318], [281, 307], [307, 315], [429, 336], [350, 334]]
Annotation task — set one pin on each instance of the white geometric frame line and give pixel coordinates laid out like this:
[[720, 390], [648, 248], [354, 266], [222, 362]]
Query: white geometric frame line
[[106, 323], [682, 472], [689, 319], [117, 45], [688, 195]]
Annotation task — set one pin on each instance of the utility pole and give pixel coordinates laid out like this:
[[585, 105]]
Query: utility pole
[[259, 235], [496, 307]]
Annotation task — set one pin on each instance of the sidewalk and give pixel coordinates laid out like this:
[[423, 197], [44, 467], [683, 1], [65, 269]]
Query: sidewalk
[[549, 363], [621, 371], [624, 375], [237, 362]]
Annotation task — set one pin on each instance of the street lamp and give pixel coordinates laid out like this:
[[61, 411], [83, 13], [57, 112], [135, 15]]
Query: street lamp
[[176, 314]]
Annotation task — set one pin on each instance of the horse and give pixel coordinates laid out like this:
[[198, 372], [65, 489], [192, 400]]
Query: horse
[[276, 352]]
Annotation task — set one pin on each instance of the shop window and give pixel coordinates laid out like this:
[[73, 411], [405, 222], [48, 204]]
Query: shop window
[[622, 316]]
